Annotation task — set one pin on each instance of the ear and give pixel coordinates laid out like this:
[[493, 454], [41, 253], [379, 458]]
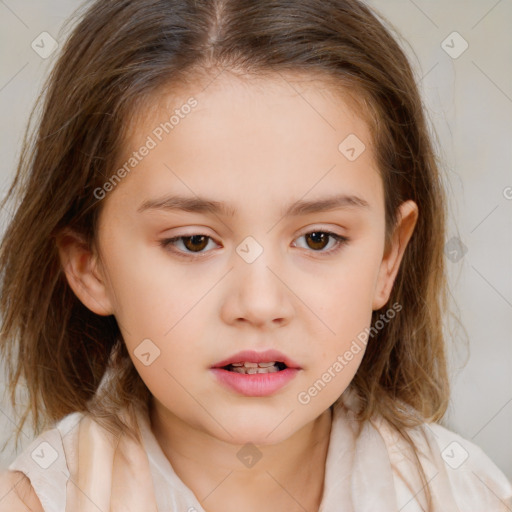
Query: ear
[[406, 221], [83, 272]]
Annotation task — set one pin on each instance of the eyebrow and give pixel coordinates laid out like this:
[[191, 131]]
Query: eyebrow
[[204, 205]]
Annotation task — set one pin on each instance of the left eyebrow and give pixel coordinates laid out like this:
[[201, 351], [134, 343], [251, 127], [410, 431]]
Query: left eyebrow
[[325, 204], [205, 205]]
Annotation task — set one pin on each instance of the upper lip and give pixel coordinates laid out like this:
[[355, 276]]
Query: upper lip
[[251, 356]]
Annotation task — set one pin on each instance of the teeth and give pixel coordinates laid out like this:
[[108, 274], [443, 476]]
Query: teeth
[[252, 371], [254, 365], [253, 368]]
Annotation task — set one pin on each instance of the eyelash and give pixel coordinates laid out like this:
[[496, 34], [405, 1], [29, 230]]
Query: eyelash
[[168, 242]]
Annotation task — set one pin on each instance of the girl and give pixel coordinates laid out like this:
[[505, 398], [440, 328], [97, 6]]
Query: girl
[[223, 283]]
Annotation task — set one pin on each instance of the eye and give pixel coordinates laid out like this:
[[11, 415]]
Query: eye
[[193, 244], [319, 240]]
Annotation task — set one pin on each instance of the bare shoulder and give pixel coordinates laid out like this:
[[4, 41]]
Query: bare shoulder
[[17, 494]]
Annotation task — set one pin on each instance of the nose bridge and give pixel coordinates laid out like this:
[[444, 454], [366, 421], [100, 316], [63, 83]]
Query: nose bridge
[[257, 295], [253, 268]]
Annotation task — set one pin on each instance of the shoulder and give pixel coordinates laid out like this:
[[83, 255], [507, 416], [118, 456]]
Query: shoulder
[[473, 476], [36, 479], [458, 471], [17, 493]]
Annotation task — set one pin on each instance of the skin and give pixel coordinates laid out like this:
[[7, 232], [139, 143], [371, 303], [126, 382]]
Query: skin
[[258, 145], [17, 494]]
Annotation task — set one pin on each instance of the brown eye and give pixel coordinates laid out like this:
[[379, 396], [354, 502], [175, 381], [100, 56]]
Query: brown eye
[[187, 245], [317, 240], [195, 243]]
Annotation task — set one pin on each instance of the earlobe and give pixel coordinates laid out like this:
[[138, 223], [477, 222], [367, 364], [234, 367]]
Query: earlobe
[[406, 222], [83, 273]]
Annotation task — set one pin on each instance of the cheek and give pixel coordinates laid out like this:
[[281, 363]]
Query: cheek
[[150, 290], [344, 303], [162, 301], [342, 292]]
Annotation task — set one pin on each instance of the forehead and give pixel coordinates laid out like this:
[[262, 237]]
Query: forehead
[[284, 135], [297, 99]]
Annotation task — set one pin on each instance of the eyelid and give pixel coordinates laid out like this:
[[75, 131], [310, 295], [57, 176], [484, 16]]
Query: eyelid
[[321, 228], [340, 241], [166, 243]]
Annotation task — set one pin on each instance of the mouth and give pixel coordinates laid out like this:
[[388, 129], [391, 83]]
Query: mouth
[[254, 368], [256, 374], [251, 362]]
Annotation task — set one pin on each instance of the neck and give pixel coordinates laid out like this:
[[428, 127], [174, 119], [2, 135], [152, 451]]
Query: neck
[[289, 475]]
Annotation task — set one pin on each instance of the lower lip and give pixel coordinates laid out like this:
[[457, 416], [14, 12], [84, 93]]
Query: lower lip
[[258, 384]]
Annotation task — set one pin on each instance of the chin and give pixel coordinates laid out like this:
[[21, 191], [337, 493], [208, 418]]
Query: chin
[[259, 437]]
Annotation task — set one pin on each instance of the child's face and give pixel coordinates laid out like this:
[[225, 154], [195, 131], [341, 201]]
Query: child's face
[[258, 148]]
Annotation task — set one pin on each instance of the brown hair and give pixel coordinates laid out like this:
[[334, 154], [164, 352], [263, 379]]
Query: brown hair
[[119, 55]]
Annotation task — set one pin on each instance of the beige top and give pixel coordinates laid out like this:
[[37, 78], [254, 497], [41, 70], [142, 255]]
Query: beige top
[[78, 467]]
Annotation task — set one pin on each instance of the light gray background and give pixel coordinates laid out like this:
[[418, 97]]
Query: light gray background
[[469, 100]]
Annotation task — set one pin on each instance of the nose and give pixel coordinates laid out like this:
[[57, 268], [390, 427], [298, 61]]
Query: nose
[[257, 294]]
